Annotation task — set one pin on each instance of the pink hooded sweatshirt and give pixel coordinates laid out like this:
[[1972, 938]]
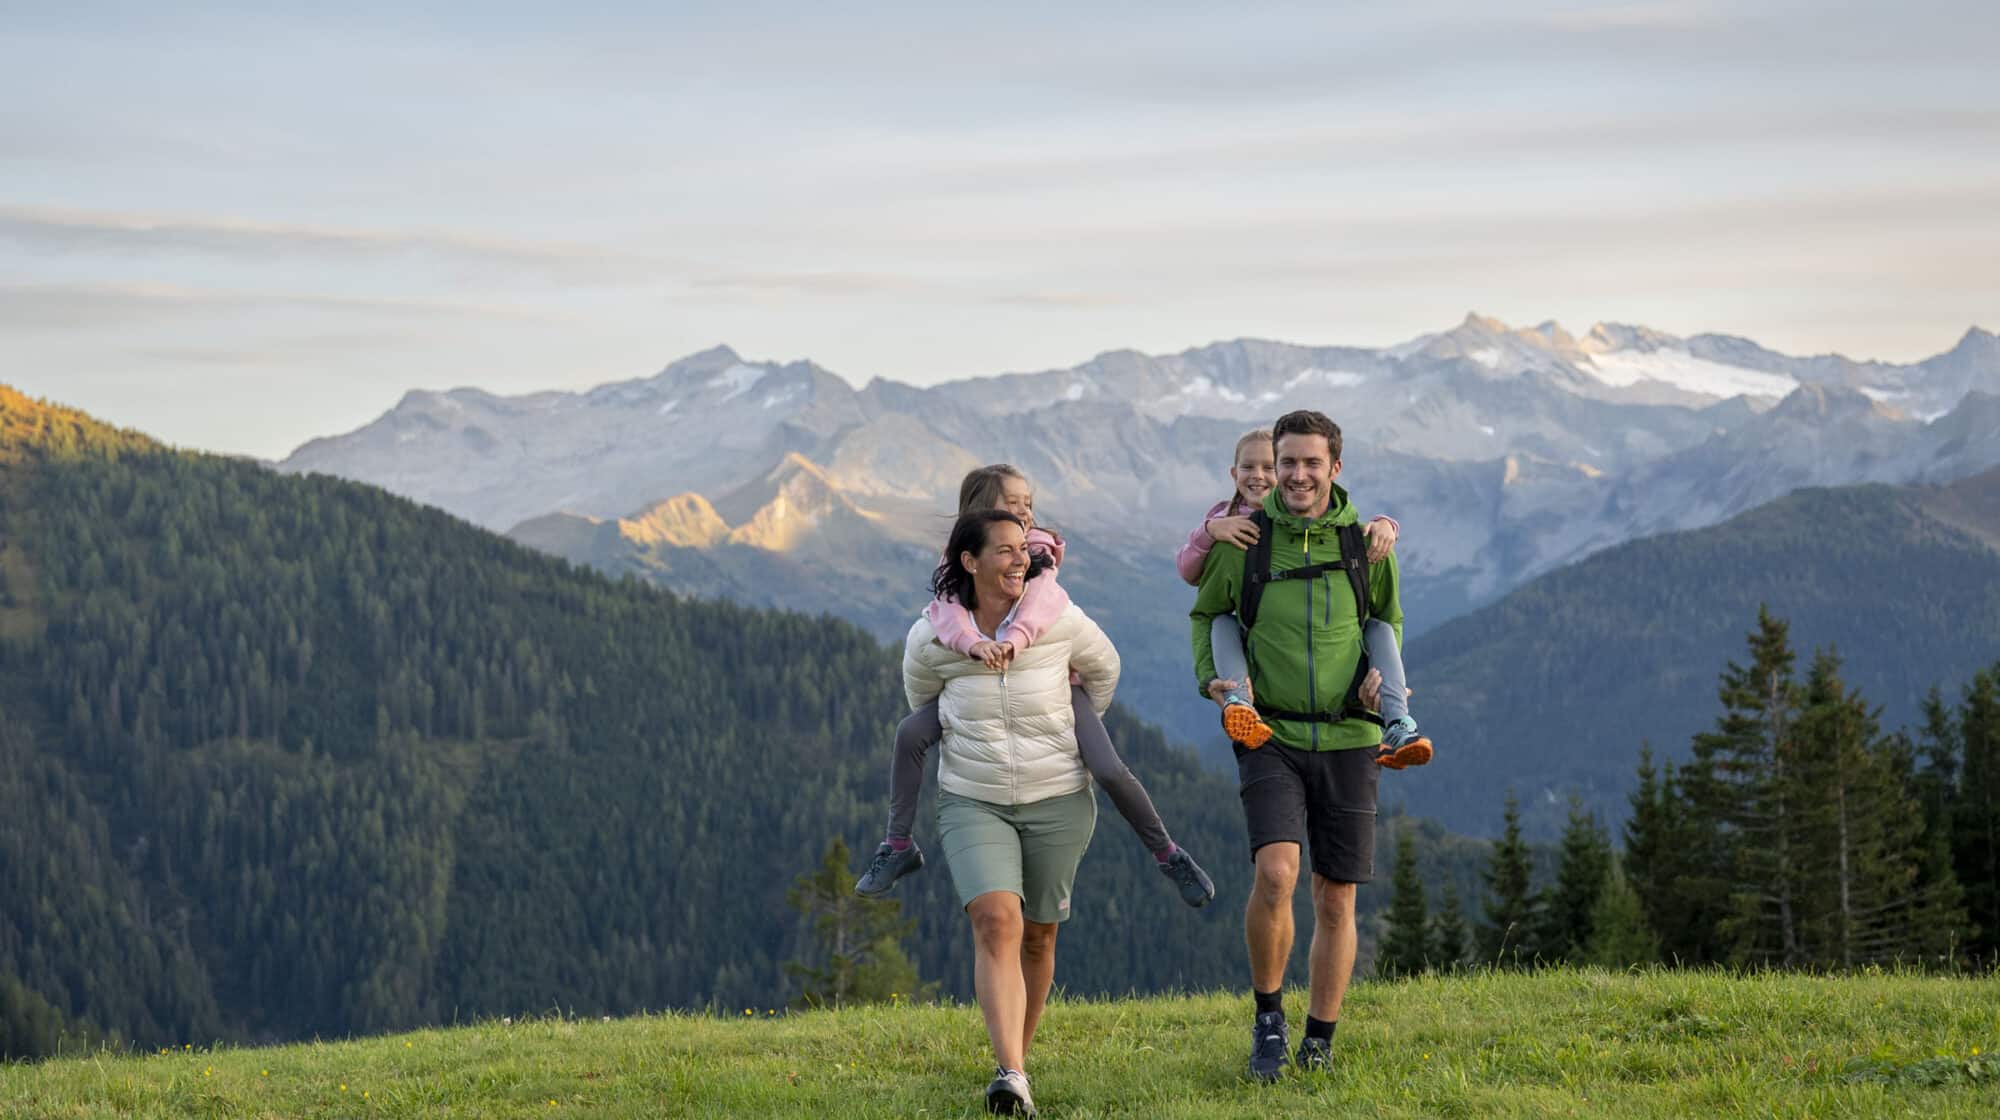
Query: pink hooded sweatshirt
[[1193, 555], [1042, 602]]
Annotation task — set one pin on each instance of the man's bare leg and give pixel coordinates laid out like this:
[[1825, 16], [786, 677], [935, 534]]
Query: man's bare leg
[[1267, 920], [1333, 941]]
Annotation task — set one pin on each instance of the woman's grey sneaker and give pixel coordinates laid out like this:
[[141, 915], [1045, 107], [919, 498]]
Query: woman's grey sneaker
[[887, 866], [1008, 1094], [1196, 888], [1315, 1055], [1270, 1045]]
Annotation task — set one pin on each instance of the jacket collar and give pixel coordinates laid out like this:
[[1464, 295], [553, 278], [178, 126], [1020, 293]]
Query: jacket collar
[[1339, 511]]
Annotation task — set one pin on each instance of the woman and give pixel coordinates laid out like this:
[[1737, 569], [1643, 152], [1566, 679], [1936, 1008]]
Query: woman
[[1015, 807]]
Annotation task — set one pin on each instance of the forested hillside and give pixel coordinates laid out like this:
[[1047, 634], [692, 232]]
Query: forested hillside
[[1555, 687], [289, 756]]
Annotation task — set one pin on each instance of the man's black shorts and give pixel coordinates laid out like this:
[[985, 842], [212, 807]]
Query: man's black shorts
[[1325, 796]]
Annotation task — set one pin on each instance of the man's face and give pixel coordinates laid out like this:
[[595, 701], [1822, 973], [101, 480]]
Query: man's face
[[1306, 470]]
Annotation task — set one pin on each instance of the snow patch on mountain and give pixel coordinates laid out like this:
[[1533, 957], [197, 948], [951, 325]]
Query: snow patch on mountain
[[738, 380], [1683, 370]]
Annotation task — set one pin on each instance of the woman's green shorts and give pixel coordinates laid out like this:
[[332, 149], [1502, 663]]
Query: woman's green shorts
[[1030, 849]]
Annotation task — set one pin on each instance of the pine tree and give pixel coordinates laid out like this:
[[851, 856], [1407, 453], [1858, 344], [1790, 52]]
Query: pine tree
[[1976, 811], [1742, 789], [1939, 929], [1449, 937], [1568, 904], [1619, 935], [856, 941], [1673, 867], [1405, 949], [1858, 881], [1507, 937]]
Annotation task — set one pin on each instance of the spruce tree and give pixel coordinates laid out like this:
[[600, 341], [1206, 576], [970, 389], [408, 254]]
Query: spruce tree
[[1673, 867], [1405, 948], [1619, 935], [1507, 937], [1742, 789], [857, 955], [1858, 890], [1567, 905], [1976, 811], [1449, 937]]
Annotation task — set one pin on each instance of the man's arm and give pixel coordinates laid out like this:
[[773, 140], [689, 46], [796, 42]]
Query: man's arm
[[1216, 597]]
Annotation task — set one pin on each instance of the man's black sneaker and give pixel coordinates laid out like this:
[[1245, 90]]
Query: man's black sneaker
[[1315, 1055], [886, 867], [1270, 1040], [1008, 1094], [1196, 888]]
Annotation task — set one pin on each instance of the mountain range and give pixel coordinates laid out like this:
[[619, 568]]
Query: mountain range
[[1505, 453]]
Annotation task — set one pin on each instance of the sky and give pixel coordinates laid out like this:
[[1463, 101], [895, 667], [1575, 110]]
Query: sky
[[237, 227]]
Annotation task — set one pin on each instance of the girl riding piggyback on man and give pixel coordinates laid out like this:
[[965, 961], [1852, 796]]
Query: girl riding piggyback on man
[[1255, 472]]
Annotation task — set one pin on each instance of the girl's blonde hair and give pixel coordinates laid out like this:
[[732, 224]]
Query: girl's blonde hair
[[1255, 435], [984, 487]]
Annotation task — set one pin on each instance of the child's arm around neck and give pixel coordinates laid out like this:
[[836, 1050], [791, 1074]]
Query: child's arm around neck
[[1194, 554], [1042, 602]]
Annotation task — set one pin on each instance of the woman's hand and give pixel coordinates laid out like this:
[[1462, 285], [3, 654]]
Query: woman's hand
[[996, 655], [1239, 531], [1381, 534]]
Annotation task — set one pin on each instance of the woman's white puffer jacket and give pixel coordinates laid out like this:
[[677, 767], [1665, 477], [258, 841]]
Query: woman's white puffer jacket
[[1010, 738]]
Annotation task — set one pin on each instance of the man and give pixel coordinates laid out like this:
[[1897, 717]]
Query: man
[[1315, 779]]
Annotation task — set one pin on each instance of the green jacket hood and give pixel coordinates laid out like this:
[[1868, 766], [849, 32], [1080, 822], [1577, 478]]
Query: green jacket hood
[[1339, 511]]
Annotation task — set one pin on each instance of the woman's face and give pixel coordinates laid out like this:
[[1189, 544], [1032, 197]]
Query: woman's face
[[1000, 570], [1017, 498], [1254, 472]]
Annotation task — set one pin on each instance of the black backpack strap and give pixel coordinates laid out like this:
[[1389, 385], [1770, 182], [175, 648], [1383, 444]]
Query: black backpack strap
[[1354, 557], [1256, 570]]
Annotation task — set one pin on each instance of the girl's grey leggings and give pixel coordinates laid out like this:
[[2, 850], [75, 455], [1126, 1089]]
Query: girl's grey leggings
[[1226, 638], [920, 730]]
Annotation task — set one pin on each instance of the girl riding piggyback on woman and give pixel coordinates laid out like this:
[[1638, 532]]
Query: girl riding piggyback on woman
[[1255, 472], [1042, 601]]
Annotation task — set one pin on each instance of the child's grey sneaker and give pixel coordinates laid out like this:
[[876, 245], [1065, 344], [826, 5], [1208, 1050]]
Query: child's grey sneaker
[[1008, 1094], [887, 866], [1398, 732], [1197, 889], [1402, 747]]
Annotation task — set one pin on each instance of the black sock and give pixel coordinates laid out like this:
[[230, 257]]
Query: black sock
[[1270, 1001], [1321, 1029]]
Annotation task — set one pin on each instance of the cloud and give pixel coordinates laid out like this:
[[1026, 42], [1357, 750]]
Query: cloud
[[75, 231], [905, 285], [1682, 16], [28, 307]]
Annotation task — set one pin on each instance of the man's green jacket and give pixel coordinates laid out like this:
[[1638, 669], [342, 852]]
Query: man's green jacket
[[1307, 640]]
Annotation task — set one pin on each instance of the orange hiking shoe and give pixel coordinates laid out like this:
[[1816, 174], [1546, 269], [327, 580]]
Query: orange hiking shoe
[[1402, 747], [1245, 726]]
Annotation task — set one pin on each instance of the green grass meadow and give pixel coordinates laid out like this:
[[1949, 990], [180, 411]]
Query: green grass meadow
[[1560, 1043]]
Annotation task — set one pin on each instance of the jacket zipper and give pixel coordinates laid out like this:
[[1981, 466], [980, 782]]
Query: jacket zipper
[[1013, 753], [1312, 677]]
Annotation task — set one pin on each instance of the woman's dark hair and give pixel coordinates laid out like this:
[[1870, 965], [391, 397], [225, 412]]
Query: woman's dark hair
[[968, 534]]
